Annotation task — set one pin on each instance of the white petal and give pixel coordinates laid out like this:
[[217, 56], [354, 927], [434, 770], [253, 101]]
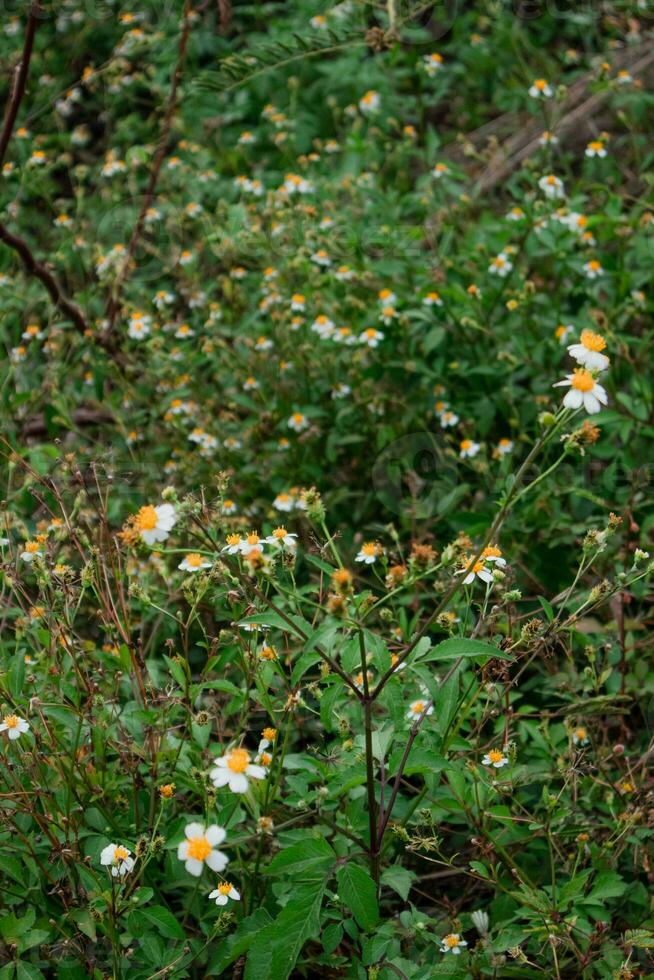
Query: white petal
[[215, 834], [256, 772], [234, 895], [591, 404], [194, 867], [194, 829], [107, 854], [238, 782], [573, 399], [217, 861], [182, 851], [220, 777], [221, 900]]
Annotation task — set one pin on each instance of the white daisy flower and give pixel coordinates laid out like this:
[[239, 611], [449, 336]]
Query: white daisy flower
[[369, 103], [479, 571], [500, 265], [551, 186], [453, 943], [281, 536], [371, 337], [154, 524], [468, 449], [419, 708], [584, 391], [117, 857], [588, 351], [541, 89], [495, 758], [224, 892], [194, 563], [31, 551], [298, 422], [369, 552], [198, 848], [595, 149], [14, 726], [593, 269], [234, 769]]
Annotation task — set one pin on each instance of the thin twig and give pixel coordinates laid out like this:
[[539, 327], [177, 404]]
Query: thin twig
[[20, 79], [113, 306]]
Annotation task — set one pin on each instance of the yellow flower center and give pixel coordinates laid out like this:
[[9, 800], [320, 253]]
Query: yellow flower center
[[11, 721], [495, 755], [592, 341], [32, 547], [595, 145], [238, 760], [194, 560], [146, 519], [580, 733], [370, 548], [492, 551], [199, 848], [225, 888], [451, 941], [540, 84], [270, 734], [552, 180], [583, 380], [466, 444], [253, 538], [121, 853], [279, 533], [233, 539], [298, 418], [418, 707], [594, 265]]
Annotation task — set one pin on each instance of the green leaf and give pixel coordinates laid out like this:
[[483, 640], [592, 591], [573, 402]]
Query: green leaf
[[164, 922], [239, 941], [311, 854], [399, 879], [608, 884], [547, 607], [358, 893], [457, 647], [275, 950]]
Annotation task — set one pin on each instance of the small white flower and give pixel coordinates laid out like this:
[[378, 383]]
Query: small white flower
[[234, 769], [198, 849], [117, 857], [369, 553], [31, 551], [432, 64], [418, 709], [588, 351], [468, 449], [298, 422], [371, 337], [479, 571], [584, 391], [500, 265], [224, 892], [551, 186], [452, 944], [282, 537], [14, 726], [154, 524], [541, 89], [369, 103], [595, 149], [495, 758], [593, 269], [194, 563]]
